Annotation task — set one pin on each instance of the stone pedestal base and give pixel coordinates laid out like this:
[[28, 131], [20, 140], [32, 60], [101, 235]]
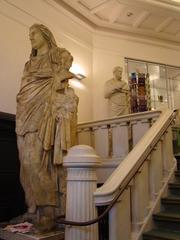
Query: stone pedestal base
[[6, 235]]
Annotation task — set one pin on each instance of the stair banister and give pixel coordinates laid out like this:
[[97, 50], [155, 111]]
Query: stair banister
[[126, 177], [138, 181], [124, 173]]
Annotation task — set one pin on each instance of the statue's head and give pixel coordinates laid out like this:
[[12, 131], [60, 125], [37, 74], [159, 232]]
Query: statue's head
[[41, 35], [66, 60], [117, 71]]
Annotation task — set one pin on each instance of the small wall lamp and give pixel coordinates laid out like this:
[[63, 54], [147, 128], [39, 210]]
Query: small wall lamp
[[79, 76], [78, 71]]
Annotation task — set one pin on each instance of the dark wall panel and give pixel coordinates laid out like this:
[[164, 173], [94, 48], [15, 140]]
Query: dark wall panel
[[11, 193]]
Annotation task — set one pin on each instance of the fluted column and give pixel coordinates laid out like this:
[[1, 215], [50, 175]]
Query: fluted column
[[81, 184]]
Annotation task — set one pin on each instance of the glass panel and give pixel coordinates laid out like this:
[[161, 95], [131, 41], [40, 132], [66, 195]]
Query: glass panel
[[136, 67], [173, 75], [163, 89], [158, 86]]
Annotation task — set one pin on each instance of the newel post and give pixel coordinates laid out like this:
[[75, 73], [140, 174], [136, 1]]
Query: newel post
[[81, 162]]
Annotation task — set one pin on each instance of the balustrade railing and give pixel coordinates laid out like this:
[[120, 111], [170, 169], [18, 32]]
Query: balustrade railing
[[133, 190], [113, 138], [141, 177]]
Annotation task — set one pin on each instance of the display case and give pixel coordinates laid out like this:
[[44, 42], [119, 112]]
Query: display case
[[163, 82]]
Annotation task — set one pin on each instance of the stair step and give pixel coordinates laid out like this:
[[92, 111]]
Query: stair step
[[171, 203], [177, 156], [175, 184], [175, 188], [168, 215], [167, 220], [177, 173], [163, 234], [171, 199]]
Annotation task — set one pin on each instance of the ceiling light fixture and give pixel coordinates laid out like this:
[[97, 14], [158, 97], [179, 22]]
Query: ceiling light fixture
[[129, 14]]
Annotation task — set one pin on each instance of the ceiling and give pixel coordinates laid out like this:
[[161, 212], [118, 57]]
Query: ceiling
[[155, 19]]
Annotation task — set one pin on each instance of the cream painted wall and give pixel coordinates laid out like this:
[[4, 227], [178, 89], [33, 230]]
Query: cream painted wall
[[96, 52], [110, 51], [15, 19]]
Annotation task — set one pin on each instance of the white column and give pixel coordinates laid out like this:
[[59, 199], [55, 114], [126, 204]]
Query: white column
[[85, 136], [101, 140], [120, 218], [81, 184], [139, 128], [120, 141]]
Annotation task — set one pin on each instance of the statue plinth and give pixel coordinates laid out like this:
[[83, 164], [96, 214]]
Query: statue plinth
[[7, 235]]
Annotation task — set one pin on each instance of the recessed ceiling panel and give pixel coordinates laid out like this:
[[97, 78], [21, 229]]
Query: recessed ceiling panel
[[173, 27], [92, 4], [158, 19], [152, 21], [129, 16]]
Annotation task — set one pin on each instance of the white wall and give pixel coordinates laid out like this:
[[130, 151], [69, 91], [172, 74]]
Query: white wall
[[110, 51], [15, 19], [96, 52]]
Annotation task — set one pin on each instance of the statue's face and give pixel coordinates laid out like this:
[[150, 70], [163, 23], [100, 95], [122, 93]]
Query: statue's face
[[118, 73], [36, 38]]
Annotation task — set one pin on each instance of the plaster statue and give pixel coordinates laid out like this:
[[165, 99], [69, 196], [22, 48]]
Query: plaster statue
[[45, 123], [116, 91]]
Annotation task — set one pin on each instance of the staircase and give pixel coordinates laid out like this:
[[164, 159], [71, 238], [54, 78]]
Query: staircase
[[167, 222]]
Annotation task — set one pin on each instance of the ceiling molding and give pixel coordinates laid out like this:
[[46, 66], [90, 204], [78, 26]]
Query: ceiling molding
[[118, 23], [146, 19]]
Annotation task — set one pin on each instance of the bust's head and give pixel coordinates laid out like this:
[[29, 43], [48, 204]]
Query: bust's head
[[117, 72], [40, 36]]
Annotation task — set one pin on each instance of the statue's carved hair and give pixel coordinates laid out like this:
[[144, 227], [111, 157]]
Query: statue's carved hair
[[117, 68], [47, 34]]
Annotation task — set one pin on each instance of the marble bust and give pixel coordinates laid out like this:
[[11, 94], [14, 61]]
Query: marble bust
[[116, 91]]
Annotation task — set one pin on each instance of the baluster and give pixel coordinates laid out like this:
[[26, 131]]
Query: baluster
[[156, 171], [120, 141], [120, 218], [140, 199], [101, 140], [85, 136], [166, 159], [139, 128], [169, 146]]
